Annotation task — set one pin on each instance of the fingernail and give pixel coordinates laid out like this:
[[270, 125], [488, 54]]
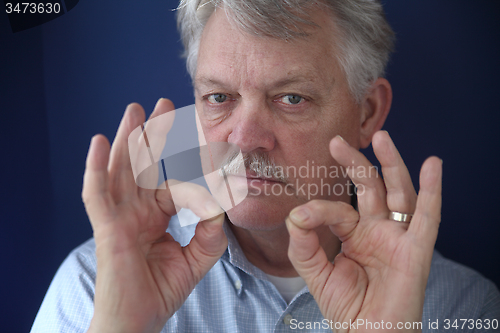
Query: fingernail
[[158, 102], [131, 115], [386, 132], [212, 209], [343, 140], [299, 214], [92, 142], [129, 109]]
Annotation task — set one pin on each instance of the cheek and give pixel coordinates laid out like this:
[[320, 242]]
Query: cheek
[[212, 133], [310, 136], [346, 124], [215, 134], [349, 122], [310, 141], [301, 147]]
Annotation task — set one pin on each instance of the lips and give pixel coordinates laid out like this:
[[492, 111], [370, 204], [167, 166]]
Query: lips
[[251, 175]]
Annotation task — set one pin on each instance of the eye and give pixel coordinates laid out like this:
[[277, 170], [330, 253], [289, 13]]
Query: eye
[[217, 98], [292, 99]]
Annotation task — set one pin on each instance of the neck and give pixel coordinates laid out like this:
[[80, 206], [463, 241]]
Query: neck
[[268, 250]]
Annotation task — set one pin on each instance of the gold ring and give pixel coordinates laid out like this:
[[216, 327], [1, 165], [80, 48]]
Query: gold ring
[[400, 217]]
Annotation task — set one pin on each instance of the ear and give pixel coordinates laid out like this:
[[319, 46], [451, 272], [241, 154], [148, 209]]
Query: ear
[[374, 110]]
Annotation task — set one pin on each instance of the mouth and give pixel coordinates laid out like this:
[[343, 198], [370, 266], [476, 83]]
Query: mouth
[[254, 177]]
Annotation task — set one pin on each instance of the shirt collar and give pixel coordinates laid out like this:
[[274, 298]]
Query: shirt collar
[[235, 256]]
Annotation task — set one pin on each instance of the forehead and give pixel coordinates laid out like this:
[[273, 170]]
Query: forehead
[[228, 51]]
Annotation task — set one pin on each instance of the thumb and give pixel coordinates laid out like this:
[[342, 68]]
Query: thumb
[[305, 251], [207, 245]]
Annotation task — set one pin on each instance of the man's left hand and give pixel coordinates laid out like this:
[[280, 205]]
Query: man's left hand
[[382, 271]]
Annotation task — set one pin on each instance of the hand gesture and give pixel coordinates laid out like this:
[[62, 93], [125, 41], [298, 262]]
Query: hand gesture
[[143, 274], [382, 271]]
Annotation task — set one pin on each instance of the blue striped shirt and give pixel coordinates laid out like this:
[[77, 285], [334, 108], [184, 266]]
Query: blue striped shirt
[[235, 296]]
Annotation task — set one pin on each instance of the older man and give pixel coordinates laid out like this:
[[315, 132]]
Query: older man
[[291, 83]]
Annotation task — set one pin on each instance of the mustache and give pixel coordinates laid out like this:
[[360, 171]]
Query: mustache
[[260, 163]]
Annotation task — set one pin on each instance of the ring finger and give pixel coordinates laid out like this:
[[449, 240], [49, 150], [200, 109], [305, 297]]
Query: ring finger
[[401, 195]]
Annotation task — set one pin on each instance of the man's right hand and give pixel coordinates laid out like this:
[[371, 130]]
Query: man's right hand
[[143, 274]]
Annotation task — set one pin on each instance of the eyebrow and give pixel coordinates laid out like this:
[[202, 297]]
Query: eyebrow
[[290, 80], [206, 81], [293, 79]]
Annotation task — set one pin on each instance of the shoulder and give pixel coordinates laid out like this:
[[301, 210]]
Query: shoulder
[[68, 305], [455, 291], [79, 266], [82, 258], [449, 275]]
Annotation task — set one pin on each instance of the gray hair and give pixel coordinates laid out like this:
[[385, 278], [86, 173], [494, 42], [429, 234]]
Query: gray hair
[[365, 43]]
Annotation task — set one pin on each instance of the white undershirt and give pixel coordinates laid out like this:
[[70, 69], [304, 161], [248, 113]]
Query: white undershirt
[[288, 287]]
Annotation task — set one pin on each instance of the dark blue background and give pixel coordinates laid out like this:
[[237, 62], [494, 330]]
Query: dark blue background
[[70, 78]]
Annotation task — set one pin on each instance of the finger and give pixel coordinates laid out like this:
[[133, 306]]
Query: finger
[[153, 139], [155, 130], [162, 106], [122, 185], [209, 241], [190, 196], [401, 195], [370, 187], [304, 250], [95, 194], [207, 245], [425, 222]]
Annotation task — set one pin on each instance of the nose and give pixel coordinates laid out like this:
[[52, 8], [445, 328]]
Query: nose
[[252, 128]]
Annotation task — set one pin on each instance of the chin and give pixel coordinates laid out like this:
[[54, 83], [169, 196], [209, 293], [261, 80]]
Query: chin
[[261, 213]]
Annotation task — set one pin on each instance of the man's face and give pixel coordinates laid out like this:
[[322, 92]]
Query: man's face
[[284, 100]]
